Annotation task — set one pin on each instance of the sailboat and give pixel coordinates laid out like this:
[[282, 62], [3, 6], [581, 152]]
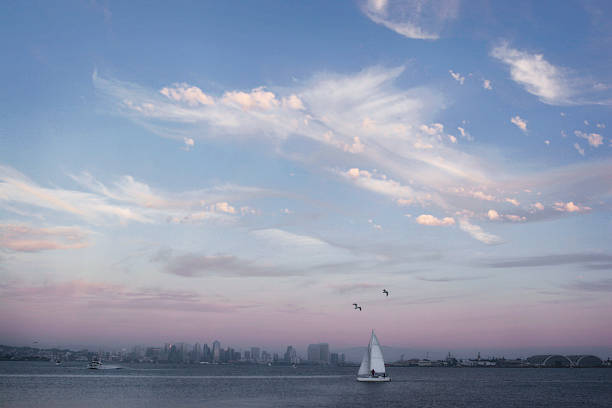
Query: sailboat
[[372, 368]]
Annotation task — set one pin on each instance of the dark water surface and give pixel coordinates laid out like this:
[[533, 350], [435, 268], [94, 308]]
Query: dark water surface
[[39, 384]]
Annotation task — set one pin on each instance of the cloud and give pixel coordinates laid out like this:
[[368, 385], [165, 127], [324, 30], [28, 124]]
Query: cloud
[[430, 220], [450, 279], [126, 200], [515, 218], [375, 225], [519, 122], [570, 207], [486, 84], [258, 98], [535, 74], [361, 120], [98, 295], [594, 139], [602, 285], [190, 95], [412, 18], [25, 238], [457, 77], [464, 133], [293, 102], [553, 85], [477, 233], [586, 258], [579, 149], [345, 288], [493, 215], [512, 201], [189, 143], [198, 265]]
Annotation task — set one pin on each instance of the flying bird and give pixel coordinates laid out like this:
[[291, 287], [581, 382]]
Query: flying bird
[[386, 292], [355, 304], [358, 307]]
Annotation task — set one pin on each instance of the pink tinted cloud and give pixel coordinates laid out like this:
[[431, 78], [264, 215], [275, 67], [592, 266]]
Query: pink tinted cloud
[[23, 238]]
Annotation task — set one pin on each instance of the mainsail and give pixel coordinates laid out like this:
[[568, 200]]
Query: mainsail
[[372, 359]]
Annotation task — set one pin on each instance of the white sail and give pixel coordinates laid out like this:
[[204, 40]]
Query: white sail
[[377, 362], [364, 368]]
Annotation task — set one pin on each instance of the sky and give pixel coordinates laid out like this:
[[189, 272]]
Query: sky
[[245, 171]]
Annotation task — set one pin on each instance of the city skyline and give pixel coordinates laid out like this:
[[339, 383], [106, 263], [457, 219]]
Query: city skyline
[[252, 170]]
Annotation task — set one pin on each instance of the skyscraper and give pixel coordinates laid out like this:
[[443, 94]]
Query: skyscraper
[[216, 351], [318, 353], [255, 354]]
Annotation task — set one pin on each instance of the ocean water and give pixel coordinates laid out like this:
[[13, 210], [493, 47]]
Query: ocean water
[[41, 384]]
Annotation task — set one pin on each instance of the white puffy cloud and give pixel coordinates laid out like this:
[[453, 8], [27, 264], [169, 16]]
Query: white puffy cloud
[[486, 84], [519, 122], [570, 207], [493, 215], [192, 95], [258, 98], [293, 102], [430, 220], [594, 139]]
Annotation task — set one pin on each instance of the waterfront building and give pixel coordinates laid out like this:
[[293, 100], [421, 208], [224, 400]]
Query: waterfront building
[[216, 351], [255, 354], [318, 353]]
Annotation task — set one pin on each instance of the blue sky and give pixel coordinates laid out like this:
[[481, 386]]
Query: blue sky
[[264, 165]]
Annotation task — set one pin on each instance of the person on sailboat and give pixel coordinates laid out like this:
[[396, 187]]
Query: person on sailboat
[[373, 373]]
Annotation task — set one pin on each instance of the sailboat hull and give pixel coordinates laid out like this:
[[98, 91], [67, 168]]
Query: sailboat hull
[[373, 379]]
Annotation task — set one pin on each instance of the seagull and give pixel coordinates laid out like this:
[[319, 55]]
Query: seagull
[[358, 307], [386, 292], [355, 304]]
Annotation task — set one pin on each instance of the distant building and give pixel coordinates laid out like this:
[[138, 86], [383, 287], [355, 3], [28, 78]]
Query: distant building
[[557, 360], [255, 354], [550, 360], [318, 353], [216, 351], [247, 355], [334, 358], [291, 355]]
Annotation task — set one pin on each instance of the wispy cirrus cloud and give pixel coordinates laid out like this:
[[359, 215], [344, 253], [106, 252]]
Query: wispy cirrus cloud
[[100, 295], [126, 200], [422, 20], [25, 238], [602, 285], [553, 85], [587, 259], [478, 233], [357, 118], [345, 288]]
